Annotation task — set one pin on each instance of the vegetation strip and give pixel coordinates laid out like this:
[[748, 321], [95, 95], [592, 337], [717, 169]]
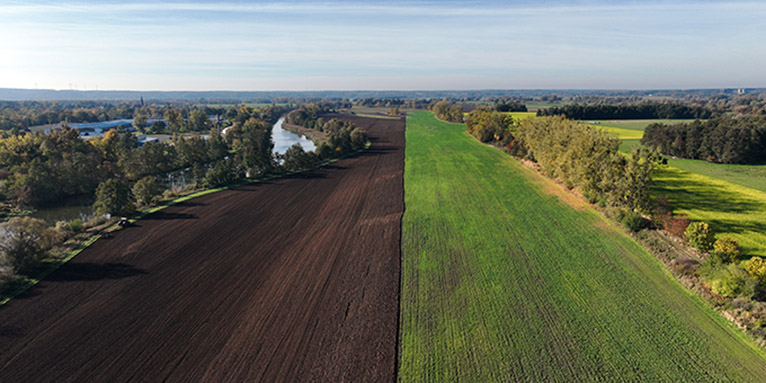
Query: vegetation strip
[[502, 281]]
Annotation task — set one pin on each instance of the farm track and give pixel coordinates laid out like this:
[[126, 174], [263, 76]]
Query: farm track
[[294, 279]]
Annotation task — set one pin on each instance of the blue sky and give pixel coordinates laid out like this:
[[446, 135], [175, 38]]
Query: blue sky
[[306, 45]]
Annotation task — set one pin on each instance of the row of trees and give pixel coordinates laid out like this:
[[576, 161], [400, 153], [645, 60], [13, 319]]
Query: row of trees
[[587, 158], [510, 106], [488, 125], [665, 110], [309, 115], [721, 140], [446, 111]]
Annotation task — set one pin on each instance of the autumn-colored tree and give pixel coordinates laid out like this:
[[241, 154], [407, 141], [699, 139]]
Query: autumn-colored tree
[[700, 236], [727, 246]]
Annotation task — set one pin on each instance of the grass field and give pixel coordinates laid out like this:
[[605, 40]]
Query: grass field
[[630, 132], [638, 125], [502, 281], [731, 210]]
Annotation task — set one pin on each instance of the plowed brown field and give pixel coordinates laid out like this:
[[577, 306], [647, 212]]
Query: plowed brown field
[[294, 279]]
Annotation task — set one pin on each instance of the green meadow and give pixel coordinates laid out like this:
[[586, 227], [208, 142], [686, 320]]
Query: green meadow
[[502, 280], [732, 198]]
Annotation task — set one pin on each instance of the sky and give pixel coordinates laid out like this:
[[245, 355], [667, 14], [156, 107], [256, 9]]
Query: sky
[[381, 45]]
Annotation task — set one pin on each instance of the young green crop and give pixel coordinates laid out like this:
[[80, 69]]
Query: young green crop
[[502, 281]]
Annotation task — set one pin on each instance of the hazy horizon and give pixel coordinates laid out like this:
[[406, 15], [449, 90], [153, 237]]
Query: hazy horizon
[[342, 45]]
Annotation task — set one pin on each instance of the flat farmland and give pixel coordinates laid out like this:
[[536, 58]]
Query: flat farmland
[[294, 279], [507, 278]]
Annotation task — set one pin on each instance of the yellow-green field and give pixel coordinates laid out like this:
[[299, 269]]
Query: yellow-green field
[[522, 115], [502, 281], [731, 210], [732, 198], [639, 125]]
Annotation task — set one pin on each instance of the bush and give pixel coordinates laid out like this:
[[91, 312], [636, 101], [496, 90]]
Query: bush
[[676, 225], [25, 242], [700, 236], [732, 281], [633, 221], [756, 267], [75, 225], [6, 271], [727, 246]]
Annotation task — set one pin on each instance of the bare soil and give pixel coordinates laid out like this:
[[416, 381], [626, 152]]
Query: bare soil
[[294, 279]]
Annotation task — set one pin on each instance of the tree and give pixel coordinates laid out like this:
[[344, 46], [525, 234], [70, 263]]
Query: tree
[[146, 189], [24, 242], [199, 122], [113, 197], [157, 127], [139, 122], [727, 246], [295, 158], [358, 138], [175, 119], [700, 236], [256, 147]]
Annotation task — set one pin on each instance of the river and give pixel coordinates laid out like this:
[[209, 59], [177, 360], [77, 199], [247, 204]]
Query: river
[[284, 139]]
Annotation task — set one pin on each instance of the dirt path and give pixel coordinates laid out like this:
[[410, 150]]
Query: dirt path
[[295, 279]]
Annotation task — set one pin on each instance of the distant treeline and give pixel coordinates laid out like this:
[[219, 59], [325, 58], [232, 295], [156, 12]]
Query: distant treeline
[[627, 111], [510, 106], [722, 140]]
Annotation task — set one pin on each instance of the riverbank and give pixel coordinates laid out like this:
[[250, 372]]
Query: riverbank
[[315, 136]]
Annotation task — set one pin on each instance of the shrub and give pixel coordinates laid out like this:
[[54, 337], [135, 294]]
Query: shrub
[[732, 281], [25, 242], [727, 246], [633, 221], [676, 225], [75, 225], [700, 236], [756, 267]]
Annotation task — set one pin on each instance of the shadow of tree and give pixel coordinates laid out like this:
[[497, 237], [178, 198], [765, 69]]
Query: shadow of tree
[[86, 271], [164, 215], [689, 195]]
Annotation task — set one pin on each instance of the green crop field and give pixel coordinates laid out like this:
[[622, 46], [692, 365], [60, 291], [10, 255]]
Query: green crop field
[[502, 281]]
